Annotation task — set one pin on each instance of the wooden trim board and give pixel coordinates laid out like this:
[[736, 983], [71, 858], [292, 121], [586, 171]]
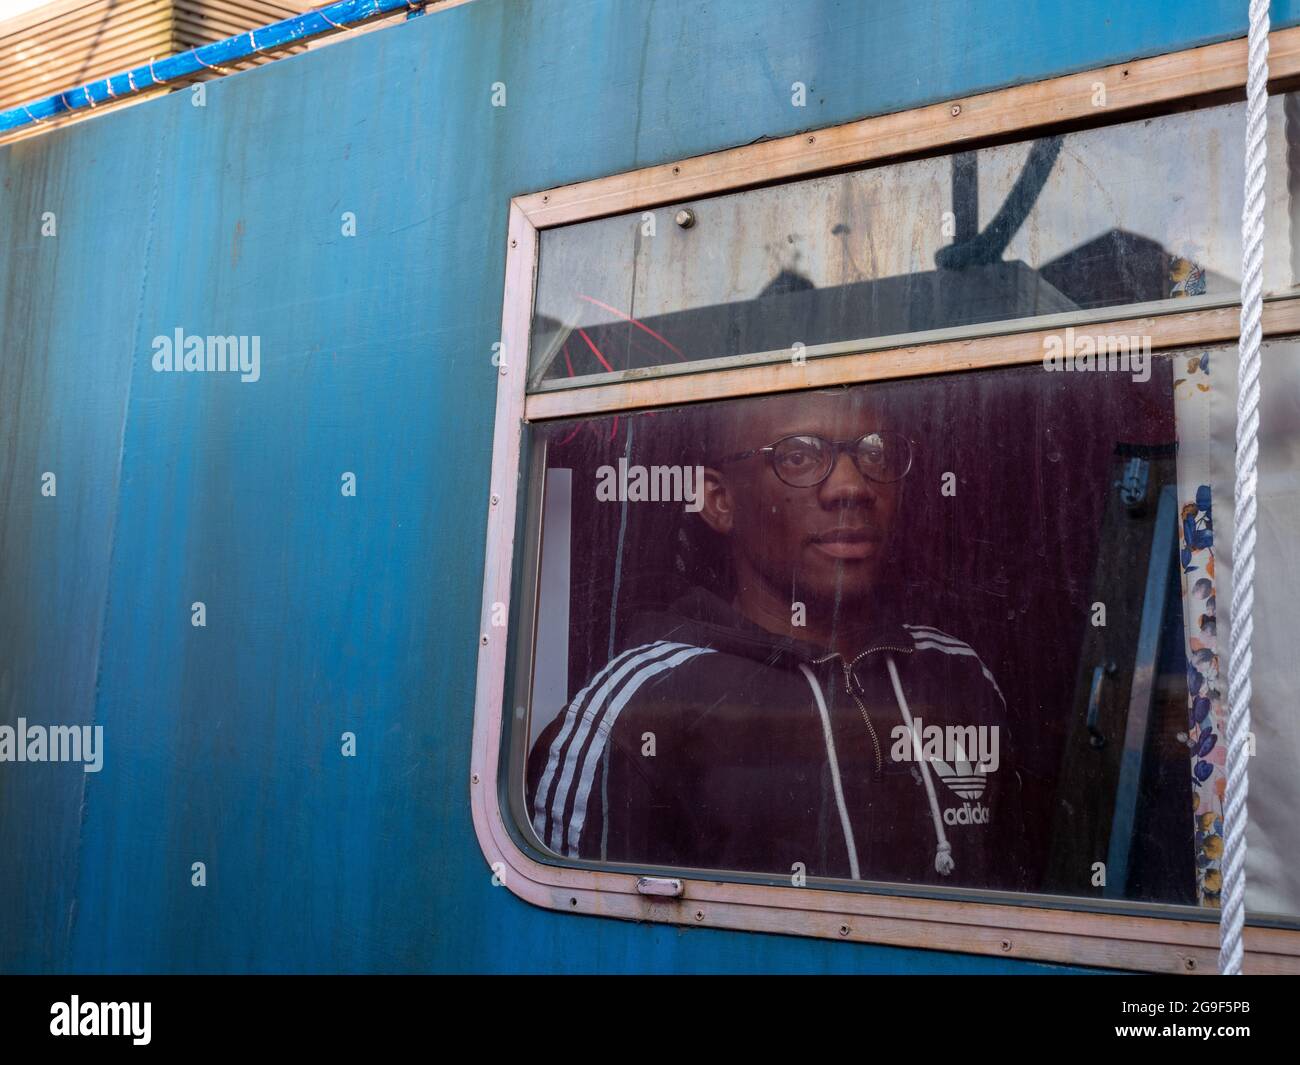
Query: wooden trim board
[[1218, 325], [1143, 83]]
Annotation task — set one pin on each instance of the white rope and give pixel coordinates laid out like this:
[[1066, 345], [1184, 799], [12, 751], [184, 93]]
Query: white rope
[[1232, 915]]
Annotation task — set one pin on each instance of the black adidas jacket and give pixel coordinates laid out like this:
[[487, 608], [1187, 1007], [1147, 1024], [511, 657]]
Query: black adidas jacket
[[710, 743]]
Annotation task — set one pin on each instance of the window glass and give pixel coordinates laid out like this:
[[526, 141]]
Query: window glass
[[1114, 217], [955, 631]]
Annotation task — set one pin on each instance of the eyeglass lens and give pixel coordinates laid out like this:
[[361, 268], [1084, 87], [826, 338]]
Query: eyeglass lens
[[803, 461]]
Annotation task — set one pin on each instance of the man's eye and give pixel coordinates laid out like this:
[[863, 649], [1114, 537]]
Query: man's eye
[[799, 460], [872, 450]]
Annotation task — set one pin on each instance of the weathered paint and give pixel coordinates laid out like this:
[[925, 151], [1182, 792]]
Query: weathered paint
[[327, 613]]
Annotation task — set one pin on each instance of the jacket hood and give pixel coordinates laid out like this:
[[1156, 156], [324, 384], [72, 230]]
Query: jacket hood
[[703, 619]]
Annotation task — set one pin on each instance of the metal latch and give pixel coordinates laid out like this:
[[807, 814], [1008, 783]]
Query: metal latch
[[1099, 673], [1133, 485], [659, 885]]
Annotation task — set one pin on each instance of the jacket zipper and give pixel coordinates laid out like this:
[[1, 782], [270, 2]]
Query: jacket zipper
[[848, 689]]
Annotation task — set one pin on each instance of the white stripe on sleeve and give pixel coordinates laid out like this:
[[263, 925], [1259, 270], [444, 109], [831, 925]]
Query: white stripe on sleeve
[[572, 715], [603, 731], [927, 638], [584, 721]]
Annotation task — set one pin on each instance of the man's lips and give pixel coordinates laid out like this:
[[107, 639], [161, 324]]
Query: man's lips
[[856, 543]]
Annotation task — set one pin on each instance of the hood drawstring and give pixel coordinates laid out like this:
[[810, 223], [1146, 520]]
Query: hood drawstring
[[943, 862], [829, 740]]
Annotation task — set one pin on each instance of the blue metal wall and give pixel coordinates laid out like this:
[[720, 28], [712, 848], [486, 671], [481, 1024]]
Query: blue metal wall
[[327, 613]]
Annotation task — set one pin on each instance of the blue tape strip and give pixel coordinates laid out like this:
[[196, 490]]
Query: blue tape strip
[[329, 19]]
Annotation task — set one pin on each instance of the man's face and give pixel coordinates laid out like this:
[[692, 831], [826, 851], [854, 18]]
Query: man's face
[[823, 544]]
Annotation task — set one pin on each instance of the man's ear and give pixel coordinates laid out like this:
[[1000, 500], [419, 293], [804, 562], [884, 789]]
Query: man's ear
[[718, 508]]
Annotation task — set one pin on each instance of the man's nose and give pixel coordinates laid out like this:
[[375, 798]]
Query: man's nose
[[846, 486]]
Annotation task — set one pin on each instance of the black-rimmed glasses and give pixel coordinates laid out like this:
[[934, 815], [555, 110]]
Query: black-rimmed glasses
[[804, 461]]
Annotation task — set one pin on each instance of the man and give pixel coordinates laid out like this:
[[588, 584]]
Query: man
[[787, 721]]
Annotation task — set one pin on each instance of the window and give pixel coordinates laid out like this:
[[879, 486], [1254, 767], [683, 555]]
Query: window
[[859, 535], [944, 558], [1061, 224]]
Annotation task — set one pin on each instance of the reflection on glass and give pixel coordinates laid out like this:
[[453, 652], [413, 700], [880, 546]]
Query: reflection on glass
[[992, 667], [1118, 216]]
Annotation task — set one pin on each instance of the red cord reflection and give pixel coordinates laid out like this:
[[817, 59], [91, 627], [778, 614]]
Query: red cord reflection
[[655, 355], [640, 325]]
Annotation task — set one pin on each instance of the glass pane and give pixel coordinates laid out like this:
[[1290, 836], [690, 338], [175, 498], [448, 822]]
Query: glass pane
[[1281, 197], [1101, 218], [954, 631]]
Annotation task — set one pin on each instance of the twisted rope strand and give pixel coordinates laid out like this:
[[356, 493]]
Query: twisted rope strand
[[1232, 916]]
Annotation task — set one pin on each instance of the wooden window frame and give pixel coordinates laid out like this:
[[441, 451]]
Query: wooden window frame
[[1028, 929]]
